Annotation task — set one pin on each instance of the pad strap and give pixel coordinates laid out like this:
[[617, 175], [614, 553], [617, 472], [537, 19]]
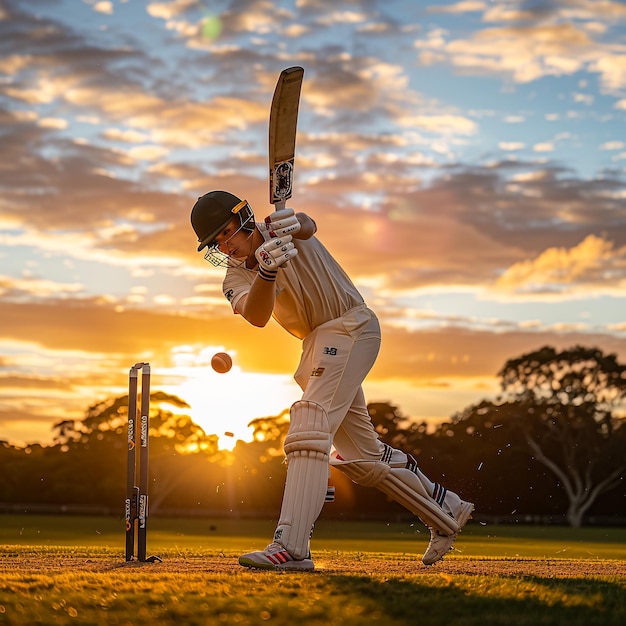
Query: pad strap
[[402, 485]]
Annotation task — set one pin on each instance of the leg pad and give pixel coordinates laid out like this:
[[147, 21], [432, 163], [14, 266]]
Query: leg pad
[[404, 486], [307, 447]]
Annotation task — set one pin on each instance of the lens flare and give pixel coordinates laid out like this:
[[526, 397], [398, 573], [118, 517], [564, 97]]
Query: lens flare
[[211, 27]]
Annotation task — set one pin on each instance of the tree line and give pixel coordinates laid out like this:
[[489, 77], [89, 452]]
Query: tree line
[[551, 446]]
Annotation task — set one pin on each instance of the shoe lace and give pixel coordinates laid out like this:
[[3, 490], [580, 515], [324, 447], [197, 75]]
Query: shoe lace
[[274, 547]]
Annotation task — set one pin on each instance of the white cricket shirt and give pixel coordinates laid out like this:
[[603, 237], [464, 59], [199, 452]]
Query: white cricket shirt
[[311, 289]]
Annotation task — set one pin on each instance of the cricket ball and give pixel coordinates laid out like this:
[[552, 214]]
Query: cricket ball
[[221, 362]]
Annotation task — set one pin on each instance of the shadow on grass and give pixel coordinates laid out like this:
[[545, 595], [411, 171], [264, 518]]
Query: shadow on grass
[[486, 601]]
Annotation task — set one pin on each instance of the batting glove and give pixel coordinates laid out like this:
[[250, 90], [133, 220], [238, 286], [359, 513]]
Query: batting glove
[[274, 253], [282, 222]]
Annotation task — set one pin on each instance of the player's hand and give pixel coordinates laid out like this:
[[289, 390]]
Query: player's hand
[[275, 252], [282, 222]]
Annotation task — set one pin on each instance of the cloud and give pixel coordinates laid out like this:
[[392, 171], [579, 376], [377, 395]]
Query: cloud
[[453, 352], [12, 288], [440, 124], [510, 146], [546, 146], [530, 46], [465, 6], [171, 9], [612, 145], [103, 7], [190, 124], [466, 227], [594, 265]]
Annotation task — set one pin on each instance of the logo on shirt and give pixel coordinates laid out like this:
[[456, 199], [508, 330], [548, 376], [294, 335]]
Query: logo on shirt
[[330, 351], [229, 294]]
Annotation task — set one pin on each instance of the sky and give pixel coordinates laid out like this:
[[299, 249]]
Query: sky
[[464, 161]]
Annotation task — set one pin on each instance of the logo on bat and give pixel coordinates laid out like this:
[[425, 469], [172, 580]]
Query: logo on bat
[[283, 179]]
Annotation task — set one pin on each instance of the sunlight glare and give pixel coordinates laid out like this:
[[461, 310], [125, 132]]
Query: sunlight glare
[[224, 404]]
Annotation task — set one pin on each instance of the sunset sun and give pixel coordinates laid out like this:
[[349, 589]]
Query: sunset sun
[[224, 404]]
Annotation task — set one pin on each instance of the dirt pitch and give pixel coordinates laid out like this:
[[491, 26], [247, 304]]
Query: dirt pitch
[[361, 564]]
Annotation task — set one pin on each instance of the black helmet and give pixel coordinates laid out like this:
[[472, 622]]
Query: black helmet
[[212, 212]]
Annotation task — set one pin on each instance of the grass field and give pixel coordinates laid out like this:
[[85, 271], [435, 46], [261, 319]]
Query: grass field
[[62, 570]]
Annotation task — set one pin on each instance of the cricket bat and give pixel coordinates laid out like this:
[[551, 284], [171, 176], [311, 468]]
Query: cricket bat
[[282, 134]]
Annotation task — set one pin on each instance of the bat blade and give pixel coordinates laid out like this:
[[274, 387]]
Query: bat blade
[[282, 134]]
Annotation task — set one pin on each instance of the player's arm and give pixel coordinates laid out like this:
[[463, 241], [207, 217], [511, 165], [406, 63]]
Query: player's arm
[[257, 305]]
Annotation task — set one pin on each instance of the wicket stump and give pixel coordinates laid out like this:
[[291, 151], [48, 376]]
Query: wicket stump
[[136, 504]]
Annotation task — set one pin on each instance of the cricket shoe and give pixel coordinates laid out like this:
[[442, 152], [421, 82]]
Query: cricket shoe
[[439, 543], [275, 557]]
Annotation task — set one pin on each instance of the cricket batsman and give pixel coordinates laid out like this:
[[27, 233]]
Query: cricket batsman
[[279, 268]]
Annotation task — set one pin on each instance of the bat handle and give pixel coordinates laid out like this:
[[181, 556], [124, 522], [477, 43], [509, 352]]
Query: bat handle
[[278, 206]]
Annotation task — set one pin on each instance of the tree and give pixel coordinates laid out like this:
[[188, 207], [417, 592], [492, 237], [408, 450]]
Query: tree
[[482, 454], [94, 448], [396, 429], [571, 409]]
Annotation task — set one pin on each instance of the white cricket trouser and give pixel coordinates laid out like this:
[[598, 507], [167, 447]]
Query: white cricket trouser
[[336, 358]]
